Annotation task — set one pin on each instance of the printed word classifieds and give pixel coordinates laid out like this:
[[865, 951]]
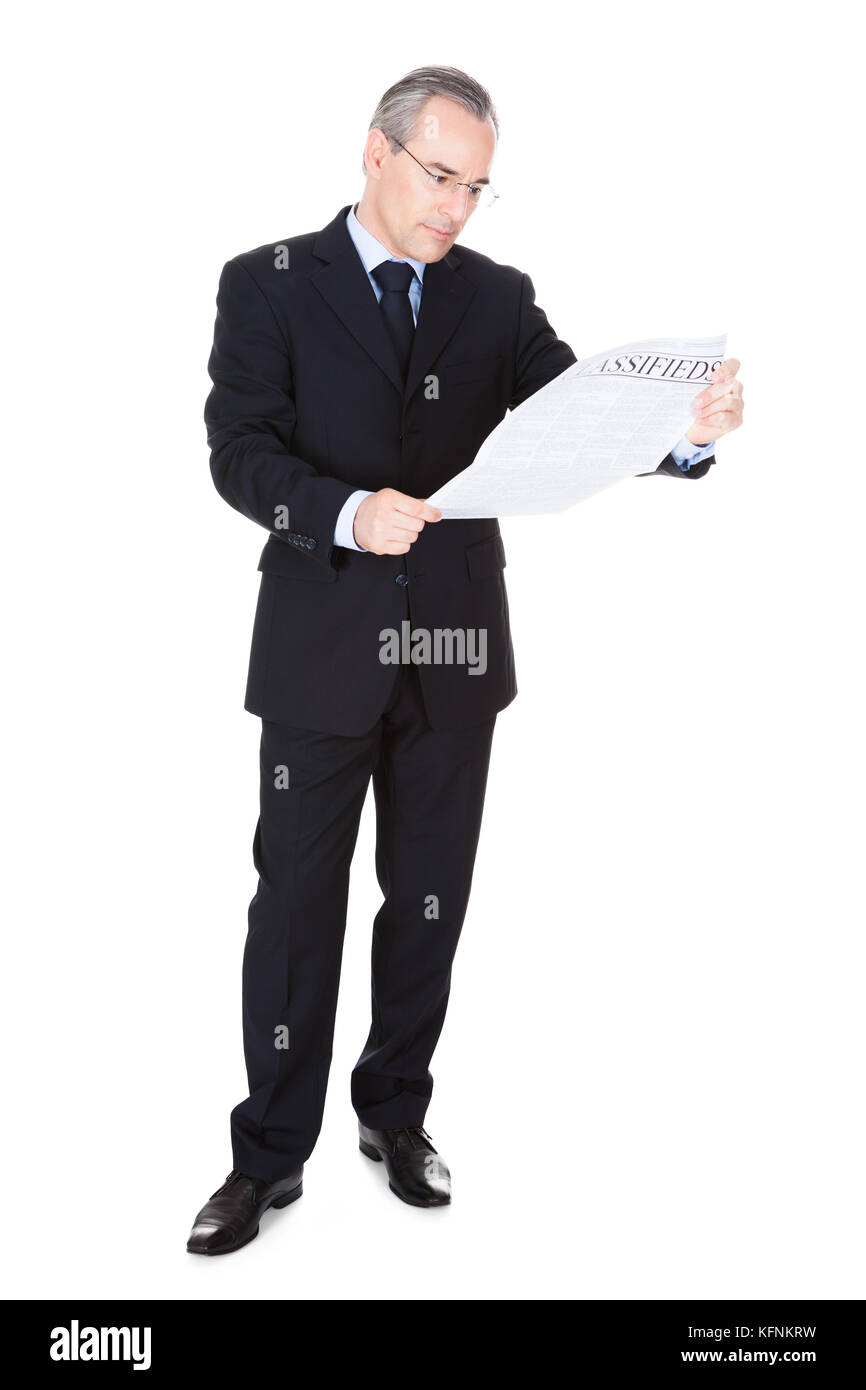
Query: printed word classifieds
[[603, 419]]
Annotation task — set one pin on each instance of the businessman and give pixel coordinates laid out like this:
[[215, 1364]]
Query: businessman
[[355, 370]]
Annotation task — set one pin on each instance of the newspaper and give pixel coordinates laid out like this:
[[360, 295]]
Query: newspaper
[[605, 418]]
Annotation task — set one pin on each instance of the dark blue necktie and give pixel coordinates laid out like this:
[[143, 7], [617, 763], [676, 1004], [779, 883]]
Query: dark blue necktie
[[394, 279]]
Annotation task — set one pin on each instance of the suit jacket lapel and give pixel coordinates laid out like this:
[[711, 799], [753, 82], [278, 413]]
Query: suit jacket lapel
[[343, 284], [445, 299]]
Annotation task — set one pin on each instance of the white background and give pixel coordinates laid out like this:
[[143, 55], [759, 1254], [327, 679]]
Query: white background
[[650, 1083]]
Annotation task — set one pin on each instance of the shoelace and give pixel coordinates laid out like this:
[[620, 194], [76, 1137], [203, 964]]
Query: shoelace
[[412, 1131], [234, 1176]]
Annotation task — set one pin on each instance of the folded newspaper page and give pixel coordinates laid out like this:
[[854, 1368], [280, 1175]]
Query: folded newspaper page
[[605, 418]]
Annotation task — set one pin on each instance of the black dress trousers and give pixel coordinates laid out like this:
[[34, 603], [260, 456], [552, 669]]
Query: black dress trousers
[[429, 793]]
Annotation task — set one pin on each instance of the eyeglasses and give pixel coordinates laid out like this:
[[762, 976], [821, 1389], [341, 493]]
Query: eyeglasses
[[478, 194]]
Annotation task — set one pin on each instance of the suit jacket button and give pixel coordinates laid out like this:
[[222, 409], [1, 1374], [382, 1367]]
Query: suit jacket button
[[402, 579]]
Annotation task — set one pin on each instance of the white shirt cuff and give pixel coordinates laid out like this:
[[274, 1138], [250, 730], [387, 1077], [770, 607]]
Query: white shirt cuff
[[343, 533], [685, 453]]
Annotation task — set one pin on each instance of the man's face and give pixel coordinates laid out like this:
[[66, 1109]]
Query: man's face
[[413, 218]]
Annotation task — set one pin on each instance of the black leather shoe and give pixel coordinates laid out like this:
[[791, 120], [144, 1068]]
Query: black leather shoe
[[231, 1218], [415, 1171]]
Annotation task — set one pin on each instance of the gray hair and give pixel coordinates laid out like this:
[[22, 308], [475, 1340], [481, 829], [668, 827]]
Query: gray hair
[[399, 108]]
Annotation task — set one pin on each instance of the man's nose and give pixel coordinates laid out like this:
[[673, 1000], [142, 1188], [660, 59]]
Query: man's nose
[[452, 206]]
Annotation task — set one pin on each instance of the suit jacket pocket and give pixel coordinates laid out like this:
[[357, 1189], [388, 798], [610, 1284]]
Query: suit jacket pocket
[[480, 369], [486, 558]]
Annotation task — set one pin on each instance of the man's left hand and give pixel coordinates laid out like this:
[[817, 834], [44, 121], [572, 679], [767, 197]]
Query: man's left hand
[[718, 409]]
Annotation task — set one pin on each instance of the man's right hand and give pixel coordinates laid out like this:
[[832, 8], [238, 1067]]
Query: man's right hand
[[387, 522]]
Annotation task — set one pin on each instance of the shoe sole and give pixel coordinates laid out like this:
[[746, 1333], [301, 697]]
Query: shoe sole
[[281, 1202], [377, 1158]]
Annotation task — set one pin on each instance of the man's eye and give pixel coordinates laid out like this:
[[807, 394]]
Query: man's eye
[[440, 178], [474, 190]]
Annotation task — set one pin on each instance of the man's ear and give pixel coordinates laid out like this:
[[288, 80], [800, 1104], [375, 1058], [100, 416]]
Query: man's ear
[[375, 149]]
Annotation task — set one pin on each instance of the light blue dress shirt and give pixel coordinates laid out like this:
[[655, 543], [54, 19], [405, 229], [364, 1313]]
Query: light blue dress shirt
[[373, 253]]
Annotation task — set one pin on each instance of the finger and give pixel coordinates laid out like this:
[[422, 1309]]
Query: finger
[[729, 387], [404, 522], [408, 506], [723, 420], [431, 513], [394, 548], [725, 372], [728, 390], [402, 534], [721, 406]]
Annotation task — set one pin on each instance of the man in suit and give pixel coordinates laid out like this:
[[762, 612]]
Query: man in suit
[[355, 370]]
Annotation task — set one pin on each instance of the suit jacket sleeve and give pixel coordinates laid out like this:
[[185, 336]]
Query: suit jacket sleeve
[[541, 356], [250, 418]]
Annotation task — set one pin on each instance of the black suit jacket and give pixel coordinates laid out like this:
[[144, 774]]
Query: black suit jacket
[[307, 405]]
